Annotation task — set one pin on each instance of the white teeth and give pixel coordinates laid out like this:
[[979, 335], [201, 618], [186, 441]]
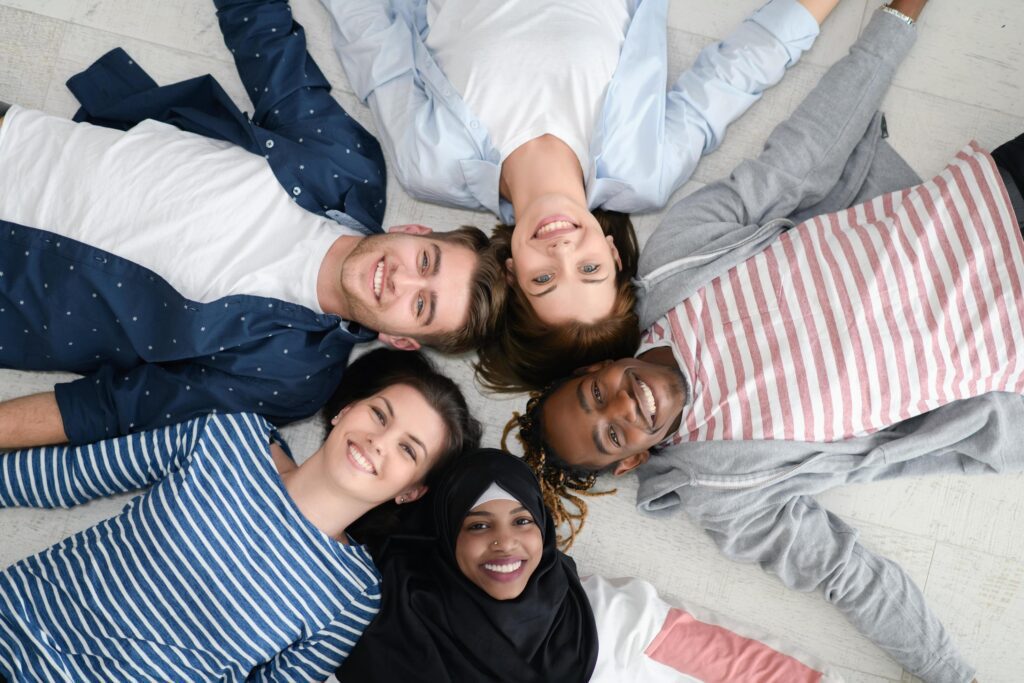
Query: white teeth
[[652, 407], [556, 225], [378, 278], [504, 568], [363, 463]]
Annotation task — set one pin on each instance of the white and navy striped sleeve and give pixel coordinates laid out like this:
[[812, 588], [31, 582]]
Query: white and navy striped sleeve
[[316, 657], [64, 476]]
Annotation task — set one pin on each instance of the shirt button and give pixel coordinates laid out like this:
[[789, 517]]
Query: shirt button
[[474, 124], [296, 191], [270, 144], [447, 92]]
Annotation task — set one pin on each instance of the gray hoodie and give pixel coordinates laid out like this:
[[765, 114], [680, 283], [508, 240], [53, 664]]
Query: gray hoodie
[[756, 498]]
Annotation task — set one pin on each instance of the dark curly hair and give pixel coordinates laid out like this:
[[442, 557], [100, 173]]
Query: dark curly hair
[[561, 484]]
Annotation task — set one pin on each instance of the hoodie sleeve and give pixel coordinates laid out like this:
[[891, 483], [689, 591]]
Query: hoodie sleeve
[[809, 548], [803, 159]]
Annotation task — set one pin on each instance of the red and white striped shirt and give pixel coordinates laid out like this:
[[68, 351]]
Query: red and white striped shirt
[[856, 320]]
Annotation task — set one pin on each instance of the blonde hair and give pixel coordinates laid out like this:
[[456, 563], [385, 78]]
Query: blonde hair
[[563, 487]]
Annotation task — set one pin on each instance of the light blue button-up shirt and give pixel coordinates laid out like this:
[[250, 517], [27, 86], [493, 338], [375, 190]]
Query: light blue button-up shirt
[[646, 141]]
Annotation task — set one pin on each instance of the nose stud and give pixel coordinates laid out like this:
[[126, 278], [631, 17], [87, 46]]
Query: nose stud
[[494, 542]]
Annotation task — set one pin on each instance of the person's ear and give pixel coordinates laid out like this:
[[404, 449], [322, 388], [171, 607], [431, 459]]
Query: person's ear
[[510, 271], [593, 367], [334, 420], [615, 251], [400, 343], [630, 463], [409, 495], [411, 229]]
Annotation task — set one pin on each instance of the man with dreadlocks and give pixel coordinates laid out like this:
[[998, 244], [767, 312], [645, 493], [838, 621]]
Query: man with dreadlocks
[[793, 344]]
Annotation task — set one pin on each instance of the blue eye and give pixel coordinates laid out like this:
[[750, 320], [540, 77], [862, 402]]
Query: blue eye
[[424, 263], [542, 279], [590, 268], [419, 306]]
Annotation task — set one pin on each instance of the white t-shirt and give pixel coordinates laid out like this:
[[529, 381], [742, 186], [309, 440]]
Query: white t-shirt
[[206, 215], [528, 68]]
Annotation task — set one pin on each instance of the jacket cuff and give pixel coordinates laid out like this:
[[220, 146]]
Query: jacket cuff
[[887, 36], [790, 23], [81, 404], [950, 669]]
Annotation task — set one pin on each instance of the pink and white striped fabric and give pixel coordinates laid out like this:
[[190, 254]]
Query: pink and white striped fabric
[[856, 320], [644, 639]]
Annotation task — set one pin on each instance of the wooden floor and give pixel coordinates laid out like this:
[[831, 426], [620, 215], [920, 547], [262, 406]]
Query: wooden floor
[[961, 539]]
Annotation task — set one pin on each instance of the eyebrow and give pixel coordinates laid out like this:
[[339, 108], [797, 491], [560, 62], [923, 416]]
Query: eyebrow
[[437, 259], [388, 404], [484, 513], [545, 292], [596, 436], [433, 310], [582, 398], [420, 443]]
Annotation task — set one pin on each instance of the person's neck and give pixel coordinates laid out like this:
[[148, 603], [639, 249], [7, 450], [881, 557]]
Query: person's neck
[[328, 509], [328, 279], [541, 166]]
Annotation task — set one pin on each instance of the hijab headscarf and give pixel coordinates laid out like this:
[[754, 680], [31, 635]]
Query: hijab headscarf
[[436, 625]]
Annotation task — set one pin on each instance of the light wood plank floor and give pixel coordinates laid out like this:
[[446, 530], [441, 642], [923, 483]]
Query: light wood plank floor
[[961, 540]]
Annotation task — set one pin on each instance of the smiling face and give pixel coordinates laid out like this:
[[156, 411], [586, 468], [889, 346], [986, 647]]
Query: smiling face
[[499, 547], [614, 413], [563, 262], [383, 446], [407, 285]]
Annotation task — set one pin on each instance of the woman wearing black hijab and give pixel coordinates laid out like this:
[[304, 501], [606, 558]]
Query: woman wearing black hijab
[[488, 597]]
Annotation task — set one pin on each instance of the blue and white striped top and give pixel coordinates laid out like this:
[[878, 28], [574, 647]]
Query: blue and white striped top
[[211, 574]]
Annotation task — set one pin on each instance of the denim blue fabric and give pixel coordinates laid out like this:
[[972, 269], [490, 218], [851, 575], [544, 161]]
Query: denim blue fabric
[[150, 356], [211, 574]]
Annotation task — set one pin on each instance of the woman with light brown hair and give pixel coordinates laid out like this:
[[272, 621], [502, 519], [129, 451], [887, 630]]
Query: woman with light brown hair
[[545, 113]]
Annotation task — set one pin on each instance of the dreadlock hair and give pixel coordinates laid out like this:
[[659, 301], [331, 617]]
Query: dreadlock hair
[[528, 353], [561, 484]]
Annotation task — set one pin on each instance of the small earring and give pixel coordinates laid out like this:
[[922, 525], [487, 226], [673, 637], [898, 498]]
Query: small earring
[[401, 499]]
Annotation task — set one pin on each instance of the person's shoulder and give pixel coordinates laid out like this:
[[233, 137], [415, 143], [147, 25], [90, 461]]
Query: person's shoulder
[[234, 424]]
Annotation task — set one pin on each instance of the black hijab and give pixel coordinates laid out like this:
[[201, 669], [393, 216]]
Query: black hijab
[[436, 625]]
